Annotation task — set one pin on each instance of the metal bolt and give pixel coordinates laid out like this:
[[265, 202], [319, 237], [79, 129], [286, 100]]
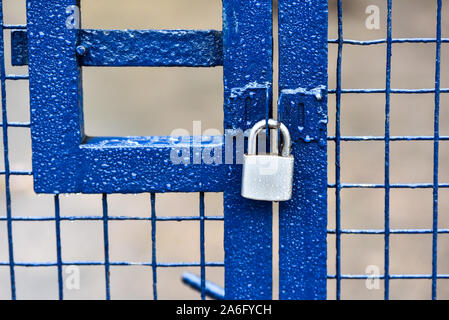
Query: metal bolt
[[81, 50]]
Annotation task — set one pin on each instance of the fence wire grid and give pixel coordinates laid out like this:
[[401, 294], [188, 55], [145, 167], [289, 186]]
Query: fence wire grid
[[336, 140]]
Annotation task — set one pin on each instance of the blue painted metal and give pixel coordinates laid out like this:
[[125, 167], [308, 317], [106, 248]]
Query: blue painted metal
[[153, 244], [387, 186], [338, 139], [105, 218], [7, 173], [79, 163], [134, 165], [387, 152], [210, 289], [303, 85], [209, 42], [247, 67], [55, 97], [64, 160], [188, 48], [436, 151], [58, 246], [19, 48]]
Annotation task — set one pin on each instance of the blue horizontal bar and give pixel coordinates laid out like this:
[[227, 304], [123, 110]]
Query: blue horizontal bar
[[14, 26], [143, 164], [393, 138], [395, 91], [391, 276], [391, 231], [381, 41], [17, 124], [116, 218], [152, 48], [211, 289], [17, 77], [392, 186], [116, 263], [184, 48], [18, 173]]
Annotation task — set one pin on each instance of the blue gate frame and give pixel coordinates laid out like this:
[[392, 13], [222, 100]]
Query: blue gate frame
[[67, 161], [303, 108]]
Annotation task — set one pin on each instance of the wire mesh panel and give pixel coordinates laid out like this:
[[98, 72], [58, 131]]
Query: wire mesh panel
[[428, 239], [68, 239]]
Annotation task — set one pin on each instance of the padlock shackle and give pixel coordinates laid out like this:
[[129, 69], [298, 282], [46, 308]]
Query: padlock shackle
[[272, 124]]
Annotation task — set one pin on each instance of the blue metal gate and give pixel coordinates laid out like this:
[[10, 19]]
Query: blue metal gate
[[65, 160]]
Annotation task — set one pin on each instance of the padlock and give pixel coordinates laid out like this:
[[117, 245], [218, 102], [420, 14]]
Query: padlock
[[268, 177]]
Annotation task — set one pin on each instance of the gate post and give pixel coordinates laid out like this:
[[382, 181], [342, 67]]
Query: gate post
[[303, 108], [247, 68]]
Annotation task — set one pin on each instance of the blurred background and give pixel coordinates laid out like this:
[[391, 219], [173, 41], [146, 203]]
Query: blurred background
[[155, 101]]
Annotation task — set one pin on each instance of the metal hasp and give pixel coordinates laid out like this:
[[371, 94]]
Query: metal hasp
[[303, 109], [268, 177]]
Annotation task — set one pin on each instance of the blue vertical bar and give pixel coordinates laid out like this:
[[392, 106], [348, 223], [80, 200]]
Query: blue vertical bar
[[153, 244], [387, 152], [6, 157], [58, 246], [202, 249], [248, 72], [107, 274], [436, 153], [302, 85], [55, 92], [337, 153]]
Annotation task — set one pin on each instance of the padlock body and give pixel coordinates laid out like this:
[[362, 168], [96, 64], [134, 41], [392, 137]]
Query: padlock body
[[267, 177]]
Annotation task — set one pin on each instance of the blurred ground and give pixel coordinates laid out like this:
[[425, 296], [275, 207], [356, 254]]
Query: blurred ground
[[155, 101]]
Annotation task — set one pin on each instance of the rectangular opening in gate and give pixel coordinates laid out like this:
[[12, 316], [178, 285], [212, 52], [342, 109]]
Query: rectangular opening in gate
[[443, 253], [412, 115], [366, 289], [151, 14], [128, 241], [410, 289], [362, 19], [443, 208], [360, 252], [404, 260], [37, 283], [82, 241], [14, 11], [5, 289], [131, 282], [362, 208], [362, 162], [34, 241], [362, 114], [153, 101], [413, 65], [411, 162], [411, 208], [91, 285]]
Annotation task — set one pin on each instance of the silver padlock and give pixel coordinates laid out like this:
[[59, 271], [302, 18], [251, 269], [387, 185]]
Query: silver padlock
[[268, 177]]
